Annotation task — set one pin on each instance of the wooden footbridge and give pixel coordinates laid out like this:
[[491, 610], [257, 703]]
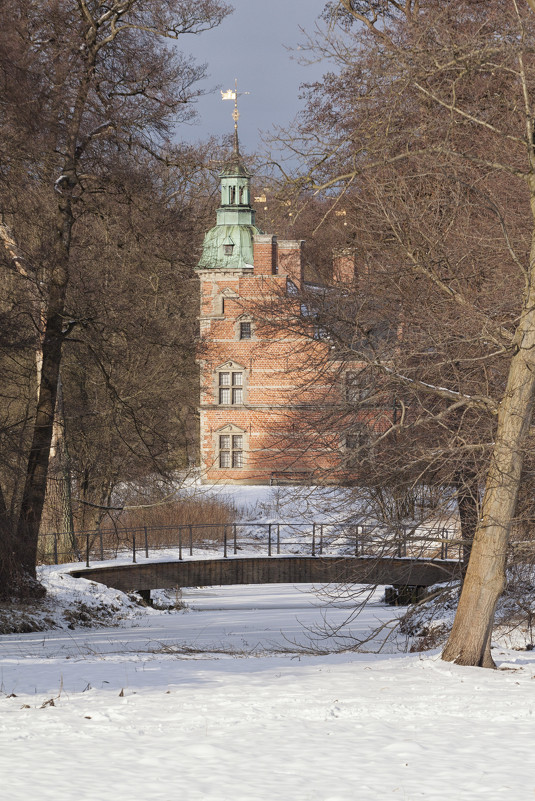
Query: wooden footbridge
[[271, 553]]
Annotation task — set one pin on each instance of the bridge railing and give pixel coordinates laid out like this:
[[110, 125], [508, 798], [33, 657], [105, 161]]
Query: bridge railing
[[261, 538]]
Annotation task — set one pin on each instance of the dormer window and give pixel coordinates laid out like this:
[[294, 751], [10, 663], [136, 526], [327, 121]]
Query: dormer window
[[228, 247]]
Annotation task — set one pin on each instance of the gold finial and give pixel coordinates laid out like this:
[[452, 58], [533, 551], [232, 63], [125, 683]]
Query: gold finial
[[233, 94]]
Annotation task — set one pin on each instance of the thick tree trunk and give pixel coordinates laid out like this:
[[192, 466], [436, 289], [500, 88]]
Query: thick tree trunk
[[33, 496], [470, 638], [57, 514]]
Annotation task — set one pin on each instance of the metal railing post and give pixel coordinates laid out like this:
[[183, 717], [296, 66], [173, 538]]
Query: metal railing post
[[180, 542], [225, 541], [134, 559], [278, 538], [313, 539], [146, 542], [356, 540], [235, 537], [87, 550], [191, 540], [269, 539], [321, 538]]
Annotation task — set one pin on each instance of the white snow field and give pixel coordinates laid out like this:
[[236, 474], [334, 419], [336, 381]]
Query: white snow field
[[216, 704]]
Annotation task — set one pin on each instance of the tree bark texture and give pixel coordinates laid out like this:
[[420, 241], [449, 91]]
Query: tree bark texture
[[33, 496], [470, 638]]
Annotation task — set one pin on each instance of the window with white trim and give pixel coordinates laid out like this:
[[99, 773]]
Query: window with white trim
[[230, 387], [231, 451]]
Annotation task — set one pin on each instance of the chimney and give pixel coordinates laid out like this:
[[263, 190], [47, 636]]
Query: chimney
[[291, 260], [344, 266], [265, 254]]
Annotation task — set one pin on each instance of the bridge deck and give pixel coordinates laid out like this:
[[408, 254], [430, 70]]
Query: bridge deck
[[272, 570]]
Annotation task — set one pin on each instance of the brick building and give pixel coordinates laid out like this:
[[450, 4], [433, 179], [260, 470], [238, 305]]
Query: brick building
[[263, 400]]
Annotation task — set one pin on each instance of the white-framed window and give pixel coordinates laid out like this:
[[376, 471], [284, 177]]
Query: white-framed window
[[230, 443], [230, 387], [230, 384], [231, 451]]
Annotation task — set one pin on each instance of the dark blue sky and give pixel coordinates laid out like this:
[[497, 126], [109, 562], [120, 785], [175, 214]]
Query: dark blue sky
[[251, 45]]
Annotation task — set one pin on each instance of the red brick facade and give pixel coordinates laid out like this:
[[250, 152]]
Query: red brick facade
[[262, 397], [273, 402]]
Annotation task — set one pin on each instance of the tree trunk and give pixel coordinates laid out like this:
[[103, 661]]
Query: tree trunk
[[470, 638], [57, 513], [33, 496]]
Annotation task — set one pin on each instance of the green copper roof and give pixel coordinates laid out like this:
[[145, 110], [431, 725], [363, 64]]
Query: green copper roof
[[228, 247], [229, 244], [234, 166]]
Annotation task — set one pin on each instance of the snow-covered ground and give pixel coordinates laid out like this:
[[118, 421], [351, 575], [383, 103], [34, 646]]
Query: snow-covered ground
[[244, 694], [219, 703]]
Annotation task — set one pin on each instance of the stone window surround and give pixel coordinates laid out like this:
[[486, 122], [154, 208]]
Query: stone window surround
[[221, 297], [230, 430], [244, 318], [231, 367]]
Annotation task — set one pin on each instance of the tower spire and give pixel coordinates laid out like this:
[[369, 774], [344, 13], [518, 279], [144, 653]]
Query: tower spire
[[233, 94], [236, 117], [229, 244]]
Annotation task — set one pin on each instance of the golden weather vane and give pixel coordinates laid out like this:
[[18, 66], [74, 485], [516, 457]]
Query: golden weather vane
[[233, 94]]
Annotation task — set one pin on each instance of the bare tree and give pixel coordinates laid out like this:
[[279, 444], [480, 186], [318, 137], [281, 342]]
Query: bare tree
[[84, 86], [424, 136]]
